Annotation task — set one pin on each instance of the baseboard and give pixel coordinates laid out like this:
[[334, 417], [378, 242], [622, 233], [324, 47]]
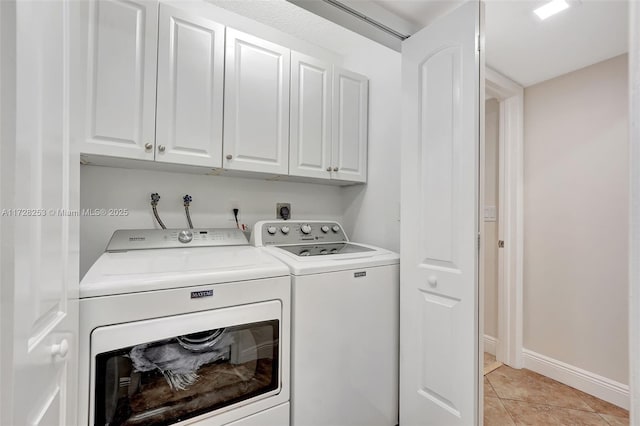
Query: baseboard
[[591, 383], [490, 344]]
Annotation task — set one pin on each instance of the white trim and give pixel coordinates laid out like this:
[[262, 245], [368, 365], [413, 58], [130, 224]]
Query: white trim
[[490, 344], [634, 214], [586, 381], [510, 214]]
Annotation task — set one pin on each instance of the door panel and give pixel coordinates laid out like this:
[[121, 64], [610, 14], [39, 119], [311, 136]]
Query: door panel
[[256, 118], [190, 89], [121, 78], [43, 263], [440, 155], [310, 143], [350, 125], [439, 266]]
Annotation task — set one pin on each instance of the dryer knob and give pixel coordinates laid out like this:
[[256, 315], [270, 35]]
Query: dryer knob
[[185, 236], [306, 228], [272, 230], [324, 229], [285, 230], [335, 228]]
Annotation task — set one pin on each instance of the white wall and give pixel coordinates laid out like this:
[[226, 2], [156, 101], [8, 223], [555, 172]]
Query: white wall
[[576, 219], [372, 212], [214, 198], [490, 231]]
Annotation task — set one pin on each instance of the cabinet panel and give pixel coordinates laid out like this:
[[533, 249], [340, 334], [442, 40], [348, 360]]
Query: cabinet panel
[[256, 136], [121, 78], [350, 125], [310, 131], [190, 89]]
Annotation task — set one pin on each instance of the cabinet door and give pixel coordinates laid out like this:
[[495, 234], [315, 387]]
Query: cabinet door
[[350, 125], [190, 89], [310, 130], [121, 78], [256, 121]]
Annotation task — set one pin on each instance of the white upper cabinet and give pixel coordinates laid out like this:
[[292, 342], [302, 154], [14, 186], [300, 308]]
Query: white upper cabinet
[[310, 130], [167, 82], [256, 121], [190, 89], [120, 79], [350, 125]]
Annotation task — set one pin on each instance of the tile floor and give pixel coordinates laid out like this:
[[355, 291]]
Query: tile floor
[[522, 397]]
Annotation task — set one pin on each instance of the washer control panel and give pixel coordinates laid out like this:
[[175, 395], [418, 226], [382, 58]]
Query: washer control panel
[[299, 231], [142, 239]]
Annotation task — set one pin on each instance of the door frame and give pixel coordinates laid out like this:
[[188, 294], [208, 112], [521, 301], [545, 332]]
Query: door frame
[[634, 219], [510, 96]]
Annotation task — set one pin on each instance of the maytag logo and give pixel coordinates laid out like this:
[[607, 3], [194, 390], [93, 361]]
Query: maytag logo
[[201, 293], [359, 274], [137, 238]]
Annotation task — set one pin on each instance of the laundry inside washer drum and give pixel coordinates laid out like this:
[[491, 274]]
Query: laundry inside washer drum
[[177, 364]]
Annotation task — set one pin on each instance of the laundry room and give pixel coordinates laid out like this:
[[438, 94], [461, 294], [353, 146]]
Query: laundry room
[[319, 212], [369, 212], [317, 153]]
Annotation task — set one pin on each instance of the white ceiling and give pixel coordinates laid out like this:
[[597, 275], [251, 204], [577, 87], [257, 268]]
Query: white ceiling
[[297, 22], [518, 44], [528, 50]]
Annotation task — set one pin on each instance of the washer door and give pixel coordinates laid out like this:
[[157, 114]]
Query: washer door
[[166, 370]]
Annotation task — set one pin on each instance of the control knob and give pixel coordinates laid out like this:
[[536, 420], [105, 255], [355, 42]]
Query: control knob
[[285, 229], [306, 228], [323, 251], [271, 230], [185, 236], [324, 229], [335, 228], [305, 253]]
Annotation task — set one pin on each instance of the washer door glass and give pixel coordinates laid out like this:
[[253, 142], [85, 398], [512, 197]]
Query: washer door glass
[[170, 380]]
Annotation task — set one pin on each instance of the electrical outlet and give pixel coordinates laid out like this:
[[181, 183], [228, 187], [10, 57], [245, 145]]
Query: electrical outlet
[[283, 211]]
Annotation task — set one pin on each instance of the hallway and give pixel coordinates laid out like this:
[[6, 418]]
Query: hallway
[[522, 397]]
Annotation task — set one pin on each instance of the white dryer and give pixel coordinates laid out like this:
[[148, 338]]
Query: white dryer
[[345, 324], [184, 327]]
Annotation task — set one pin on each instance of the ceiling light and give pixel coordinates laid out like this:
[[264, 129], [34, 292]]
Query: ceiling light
[[551, 8]]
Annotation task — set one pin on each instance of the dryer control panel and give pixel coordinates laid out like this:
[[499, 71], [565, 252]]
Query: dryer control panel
[[285, 232], [143, 239]]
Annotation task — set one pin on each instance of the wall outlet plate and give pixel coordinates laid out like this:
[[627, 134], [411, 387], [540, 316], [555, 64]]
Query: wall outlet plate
[[283, 211]]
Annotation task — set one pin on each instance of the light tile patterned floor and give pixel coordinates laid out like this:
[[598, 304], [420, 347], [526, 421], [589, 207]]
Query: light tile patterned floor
[[522, 397]]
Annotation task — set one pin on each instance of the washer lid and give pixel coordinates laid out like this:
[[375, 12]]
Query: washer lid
[[357, 257], [147, 270]]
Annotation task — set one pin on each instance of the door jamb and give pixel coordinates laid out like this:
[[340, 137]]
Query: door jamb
[[510, 216], [634, 212]]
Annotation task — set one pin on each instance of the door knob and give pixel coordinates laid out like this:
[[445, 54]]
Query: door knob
[[329, 168], [432, 280], [61, 349], [229, 157], [335, 169], [148, 146], [161, 148]]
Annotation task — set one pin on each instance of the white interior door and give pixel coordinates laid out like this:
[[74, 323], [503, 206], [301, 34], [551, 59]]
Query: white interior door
[[190, 88], [439, 374], [40, 183]]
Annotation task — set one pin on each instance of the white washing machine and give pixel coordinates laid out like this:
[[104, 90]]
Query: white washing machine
[[184, 327], [345, 324]]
